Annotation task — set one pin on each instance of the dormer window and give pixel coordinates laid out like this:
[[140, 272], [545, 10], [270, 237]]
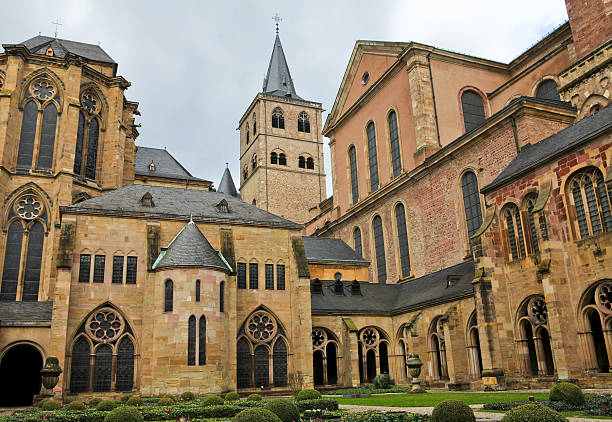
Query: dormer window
[[316, 287], [49, 52], [451, 280], [147, 200], [152, 166], [223, 207], [338, 287], [355, 288]]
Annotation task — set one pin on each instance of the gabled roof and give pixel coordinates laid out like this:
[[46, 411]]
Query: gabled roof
[[165, 164], [330, 250], [227, 184], [532, 155], [278, 79], [190, 248], [375, 298], [40, 43]]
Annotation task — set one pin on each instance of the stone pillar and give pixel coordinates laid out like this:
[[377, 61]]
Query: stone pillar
[[9, 128], [540, 355]]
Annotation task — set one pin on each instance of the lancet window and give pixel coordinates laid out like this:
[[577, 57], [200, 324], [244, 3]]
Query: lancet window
[[589, 203], [88, 135]]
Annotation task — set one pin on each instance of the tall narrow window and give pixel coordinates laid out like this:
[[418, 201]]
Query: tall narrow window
[[514, 229], [88, 136], [372, 156], [548, 90], [379, 246], [244, 364], [103, 369], [125, 365], [202, 341], [280, 277], [273, 158], [301, 162], [78, 150], [191, 340], [98, 273], [269, 276], [253, 276], [168, 296], [590, 202], [12, 262], [282, 159], [402, 235], [31, 280], [303, 122], [357, 241], [28, 134], [353, 168], [92, 150], [254, 124], [84, 268], [261, 363], [473, 110], [248, 132], [241, 275], [279, 363], [197, 290], [132, 270], [79, 366], [532, 245], [396, 158], [222, 296], [471, 203], [117, 270], [47, 137], [278, 120], [310, 163]]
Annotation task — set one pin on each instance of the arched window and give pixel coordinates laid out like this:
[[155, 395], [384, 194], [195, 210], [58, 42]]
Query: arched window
[[437, 349], [278, 120], [88, 134], [357, 241], [354, 180], [254, 161], [279, 363], [534, 338], [103, 368], [379, 246], [473, 345], [273, 158], [47, 137], [244, 364], [191, 340], [402, 236], [532, 239], [248, 133], [589, 203], [12, 262], [324, 345], [310, 163], [197, 290], [548, 90], [261, 361], [254, 124], [372, 156], [222, 296], [282, 159], [594, 325], [28, 134], [125, 365], [245, 172], [514, 231], [396, 157], [303, 122], [79, 368], [168, 296], [31, 280], [372, 343], [473, 110], [301, 162], [471, 203], [202, 341]]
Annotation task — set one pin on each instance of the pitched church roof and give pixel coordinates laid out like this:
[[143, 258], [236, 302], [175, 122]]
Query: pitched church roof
[[40, 43], [190, 248], [330, 250], [278, 79], [227, 184], [165, 165]]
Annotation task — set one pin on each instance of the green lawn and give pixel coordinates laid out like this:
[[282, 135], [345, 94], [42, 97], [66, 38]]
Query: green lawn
[[431, 399]]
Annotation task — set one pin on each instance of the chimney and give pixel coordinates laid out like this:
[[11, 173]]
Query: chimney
[[591, 23]]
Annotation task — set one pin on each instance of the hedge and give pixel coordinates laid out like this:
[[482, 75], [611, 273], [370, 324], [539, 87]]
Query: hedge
[[384, 417], [325, 404]]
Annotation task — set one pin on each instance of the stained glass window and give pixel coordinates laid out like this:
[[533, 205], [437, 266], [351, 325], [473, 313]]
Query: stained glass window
[[279, 363], [396, 158], [373, 156], [117, 270], [47, 137], [92, 149], [354, 180], [202, 341], [402, 234], [241, 275], [84, 268], [191, 340], [280, 277], [269, 276], [12, 262], [28, 133], [103, 367], [473, 110], [78, 151], [244, 366], [261, 360], [79, 366], [168, 296], [31, 280], [379, 246], [132, 270], [253, 276], [98, 273], [125, 365], [357, 241]]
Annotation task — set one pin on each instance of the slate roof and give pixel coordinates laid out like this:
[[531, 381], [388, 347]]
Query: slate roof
[[178, 203], [190, 248], [40, 43], [330, 250], [532, 155], [25, 313], [227, 184], [165, 164], [378, 298], [278, 79]]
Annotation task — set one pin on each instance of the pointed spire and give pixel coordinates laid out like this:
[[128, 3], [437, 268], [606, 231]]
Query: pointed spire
[[227, 184], [278, 79]]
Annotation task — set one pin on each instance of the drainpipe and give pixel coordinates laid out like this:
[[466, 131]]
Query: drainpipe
[[433, 94]]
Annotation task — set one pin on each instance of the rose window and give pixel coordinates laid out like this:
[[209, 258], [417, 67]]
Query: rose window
[[318, 338], [370, 336], [261, 327], [105, 325], [603, 297], [43, 91], [536, 309], [28, 207], [90, 103]]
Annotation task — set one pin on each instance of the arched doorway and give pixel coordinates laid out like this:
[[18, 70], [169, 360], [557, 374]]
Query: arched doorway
[[317, 367], [21, 364], [324, 357], [371, 365]]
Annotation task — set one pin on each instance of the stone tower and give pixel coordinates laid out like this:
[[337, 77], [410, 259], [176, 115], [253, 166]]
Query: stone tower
[[281, 147]]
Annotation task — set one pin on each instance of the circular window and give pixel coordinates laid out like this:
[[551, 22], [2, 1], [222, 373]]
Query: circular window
[[370, 337], [365, 78], [603, 297], [43, 90], [28, 207], [105, 325], [261, 327], [536, 310], [318, 337]]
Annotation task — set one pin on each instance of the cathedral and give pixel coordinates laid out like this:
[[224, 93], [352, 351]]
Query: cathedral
[[470, 223]]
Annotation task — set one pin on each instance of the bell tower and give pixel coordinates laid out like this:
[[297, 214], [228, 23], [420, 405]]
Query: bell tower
[[281, 147]]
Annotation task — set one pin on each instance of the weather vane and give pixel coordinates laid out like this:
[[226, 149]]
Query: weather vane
[[56, 23], [277, 19]]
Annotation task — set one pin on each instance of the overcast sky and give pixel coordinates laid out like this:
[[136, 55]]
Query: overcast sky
[[196, 65]]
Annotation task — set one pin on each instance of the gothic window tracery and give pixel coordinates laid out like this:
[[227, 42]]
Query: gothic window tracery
[[303, 122], [278, 120], [373, 353], [594, 323], [88, 136], [325, 357], [514, 231], [589, 203], [534, 337], [437, 349]]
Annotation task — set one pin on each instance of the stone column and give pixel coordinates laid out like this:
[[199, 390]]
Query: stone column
[[540, 355]]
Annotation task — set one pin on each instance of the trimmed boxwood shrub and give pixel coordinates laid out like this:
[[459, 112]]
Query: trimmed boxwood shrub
[[165, 401], [325, 404], [383, 381], [134, 401], [124, 414], [256, 415], [94, 401], [212, 400], [188, 396], [533, 413], [106, 405], [76, 405], [452, 410], [567, 392], [125, 397], [286, 410], [68, 399], [308, 394], [232, 396], [50, 404], [254, 397], [172, 396]]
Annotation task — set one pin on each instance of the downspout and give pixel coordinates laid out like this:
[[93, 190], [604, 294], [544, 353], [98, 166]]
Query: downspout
[[433, 94], [515, 134]]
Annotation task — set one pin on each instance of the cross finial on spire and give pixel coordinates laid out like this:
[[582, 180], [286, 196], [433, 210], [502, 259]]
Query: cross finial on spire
[[277, 19], [56, 23], [226, 165]]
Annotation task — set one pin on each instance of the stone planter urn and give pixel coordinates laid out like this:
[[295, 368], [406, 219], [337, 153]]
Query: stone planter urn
[[50, 374], [415, 364]]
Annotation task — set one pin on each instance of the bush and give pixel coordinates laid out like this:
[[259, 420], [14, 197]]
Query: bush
[[50, 404], [188, 396], [325, 404], [125, 397], [533, 413], [165, 401], [254, 397], [384, 417], [232, 396], [256, 415], [308, 394], [76, 405], [124, 414], [452, 410], [94, 401], [68, 399], [134, 401], [286, 410], [212, 400], [170, 395], [106, 405], [567, 392], [383, 381]]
